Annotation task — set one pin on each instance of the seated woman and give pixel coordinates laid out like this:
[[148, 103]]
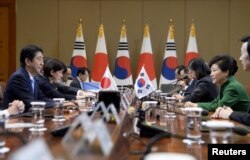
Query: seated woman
[[204, 90], [48, 83], [232, 93], [226, 112]]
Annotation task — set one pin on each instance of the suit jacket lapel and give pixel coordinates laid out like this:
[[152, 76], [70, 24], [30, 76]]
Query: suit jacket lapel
[[35, 89], [34, 95], [79, 83]]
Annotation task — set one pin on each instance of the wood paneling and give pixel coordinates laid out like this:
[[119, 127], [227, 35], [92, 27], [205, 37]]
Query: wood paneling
[[212, 26], [4, 39], [7, 38], [157, 14], [239, 26], [37, 23], [52, 25]]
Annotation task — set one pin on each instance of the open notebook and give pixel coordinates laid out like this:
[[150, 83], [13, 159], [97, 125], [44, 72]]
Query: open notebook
[[170, 88], [90, 86]]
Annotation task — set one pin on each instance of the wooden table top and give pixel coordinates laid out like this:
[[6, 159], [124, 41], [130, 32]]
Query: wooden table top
[[126, 145]]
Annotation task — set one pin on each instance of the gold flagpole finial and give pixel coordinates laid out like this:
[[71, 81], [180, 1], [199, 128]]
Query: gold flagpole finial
[[79, 29], [123, 30], [146, 30], [192, 33], [101, 30], [171, 28], [171, 21], [123, 21]]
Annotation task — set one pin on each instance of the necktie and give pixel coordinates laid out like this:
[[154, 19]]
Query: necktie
[[81, 85], [32, 84], [184, 91]]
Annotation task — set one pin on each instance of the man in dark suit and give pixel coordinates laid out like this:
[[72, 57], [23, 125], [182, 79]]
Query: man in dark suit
[[67, 77], [21, 84], [82, 76], [185, 81]]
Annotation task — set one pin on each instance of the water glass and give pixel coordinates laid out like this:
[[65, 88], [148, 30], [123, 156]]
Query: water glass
[[220, 132], [82, 105], [151, 115], [38, 116], [162, 116], [3, 149], [59, 110], [193, 116], [150, 111], [170, 102]]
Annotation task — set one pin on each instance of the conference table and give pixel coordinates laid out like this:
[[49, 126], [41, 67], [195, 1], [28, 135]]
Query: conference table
[[127, 145]]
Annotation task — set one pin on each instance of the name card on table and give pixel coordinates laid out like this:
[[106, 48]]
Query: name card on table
[[103, 137], [130, 94], [79, 135], [124, 102], [36, 149], [101, 107], [111, 108], [83, 133]]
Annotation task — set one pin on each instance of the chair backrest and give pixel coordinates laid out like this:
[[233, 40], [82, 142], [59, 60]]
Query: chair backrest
[[2, 89]]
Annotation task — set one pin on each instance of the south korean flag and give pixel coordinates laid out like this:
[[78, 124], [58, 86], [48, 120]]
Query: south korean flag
[[143, 85]]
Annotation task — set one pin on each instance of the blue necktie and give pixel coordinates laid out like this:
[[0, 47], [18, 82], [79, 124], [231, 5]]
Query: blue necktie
[[32, 84], [81, 85]]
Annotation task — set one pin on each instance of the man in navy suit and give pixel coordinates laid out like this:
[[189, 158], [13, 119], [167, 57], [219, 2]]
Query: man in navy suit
[[185, 80], [22, 85], [82, 76]]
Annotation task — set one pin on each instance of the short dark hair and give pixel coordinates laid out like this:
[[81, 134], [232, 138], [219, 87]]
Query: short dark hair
[[52, 64], [200, 67], [246, 39], [65, 69], [180, 68], [225, 63], [82, 70], [29, 52]]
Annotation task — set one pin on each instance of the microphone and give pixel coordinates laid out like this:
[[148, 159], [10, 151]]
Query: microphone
[[152, 141], [157, 134], [204, 112], [240, 131], [70, 77], [60, 132], [151, 131], [135, 123], [176, 81], [184, 78], [22, 114]]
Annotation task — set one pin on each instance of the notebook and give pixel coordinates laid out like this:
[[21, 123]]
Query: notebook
[[170, 88], [90, 86]]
